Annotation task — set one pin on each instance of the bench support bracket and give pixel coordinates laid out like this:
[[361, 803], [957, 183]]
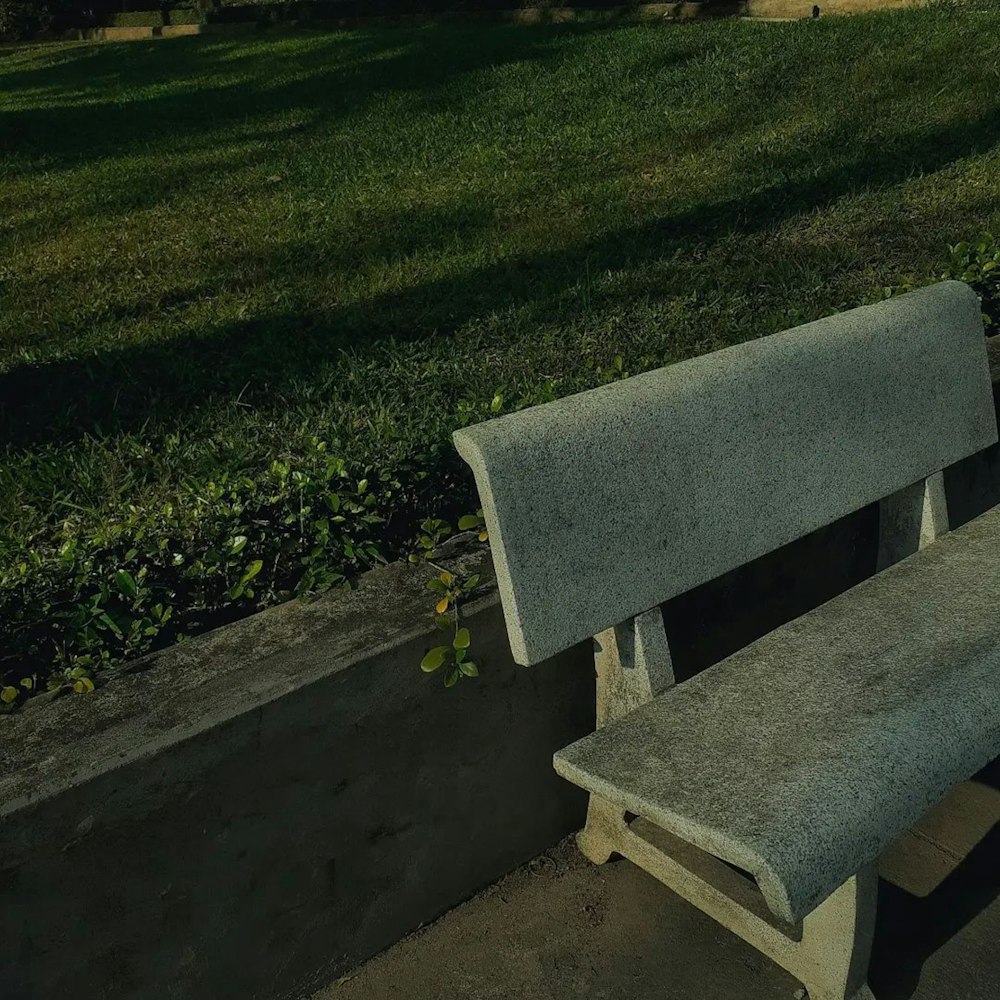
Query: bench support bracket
[[827, 952], [633, 666], [911, 519]]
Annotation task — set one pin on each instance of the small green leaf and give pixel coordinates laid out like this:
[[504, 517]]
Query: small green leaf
[[236, 544], [471, 583], [437, 585], [462, 639], [110, 623], [126, 583], [8, 694], [433, 659], [496, 403], [468, 522], [251, 571], [362, 485], [83, 686], [452, 679], [27, 683], [469, 668], [446, 578]]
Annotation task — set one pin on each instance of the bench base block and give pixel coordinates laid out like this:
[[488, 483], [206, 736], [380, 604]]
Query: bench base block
[[827, 952]]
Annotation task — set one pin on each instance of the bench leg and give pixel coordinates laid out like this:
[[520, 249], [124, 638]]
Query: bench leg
[[827, 952], [836, 941], [597, 839]]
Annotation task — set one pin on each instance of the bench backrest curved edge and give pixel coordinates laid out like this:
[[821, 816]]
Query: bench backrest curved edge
[[606, 503]]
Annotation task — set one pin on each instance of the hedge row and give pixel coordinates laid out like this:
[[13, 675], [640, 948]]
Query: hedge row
[[20, 19]]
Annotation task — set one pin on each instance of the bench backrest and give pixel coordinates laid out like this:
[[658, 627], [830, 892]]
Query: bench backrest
[[607, 503]]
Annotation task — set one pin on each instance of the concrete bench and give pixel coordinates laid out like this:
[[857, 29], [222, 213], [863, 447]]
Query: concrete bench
[[799, 759]]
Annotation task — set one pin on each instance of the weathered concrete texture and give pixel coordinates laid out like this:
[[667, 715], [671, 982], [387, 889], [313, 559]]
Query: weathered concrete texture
[[606, 503], [181, 30], [270, 804], [562, 929], [801, 757]]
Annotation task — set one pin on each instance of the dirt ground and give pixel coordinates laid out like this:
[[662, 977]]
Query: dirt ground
[[561, 929]]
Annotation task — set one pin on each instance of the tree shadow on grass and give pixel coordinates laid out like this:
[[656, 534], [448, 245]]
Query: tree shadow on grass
[[322, 77], [122, 389], [155, 121]]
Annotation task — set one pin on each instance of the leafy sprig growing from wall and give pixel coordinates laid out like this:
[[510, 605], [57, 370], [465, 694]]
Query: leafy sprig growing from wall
[[451, 589]]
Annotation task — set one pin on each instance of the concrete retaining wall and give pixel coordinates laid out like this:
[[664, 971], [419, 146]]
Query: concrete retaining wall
[[271, 803], [254, 812]]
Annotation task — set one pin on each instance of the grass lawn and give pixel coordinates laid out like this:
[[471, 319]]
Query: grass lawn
[[326, 250]]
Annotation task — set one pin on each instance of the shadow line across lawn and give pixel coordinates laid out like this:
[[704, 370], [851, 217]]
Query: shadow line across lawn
[[122, 388], [203, 87]]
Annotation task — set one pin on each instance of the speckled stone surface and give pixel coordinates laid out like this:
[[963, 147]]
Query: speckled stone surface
[[604, 504], [802, 756]]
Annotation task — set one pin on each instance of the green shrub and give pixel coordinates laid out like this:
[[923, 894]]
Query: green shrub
[[23, 18], [978, 264], [137, 19], [186, 16], [80, 601]]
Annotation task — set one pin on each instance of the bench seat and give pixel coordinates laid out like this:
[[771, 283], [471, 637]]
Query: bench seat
[[801, 757]]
